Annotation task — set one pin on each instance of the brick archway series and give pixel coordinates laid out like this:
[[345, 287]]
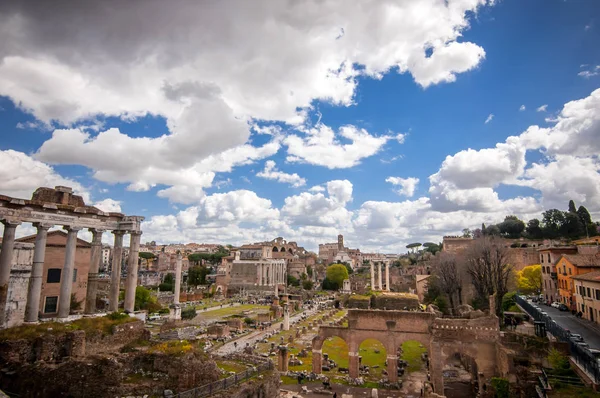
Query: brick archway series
[[443, 337]]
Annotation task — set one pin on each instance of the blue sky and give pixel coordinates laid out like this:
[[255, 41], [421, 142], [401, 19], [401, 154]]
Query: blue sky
[[353, 104]]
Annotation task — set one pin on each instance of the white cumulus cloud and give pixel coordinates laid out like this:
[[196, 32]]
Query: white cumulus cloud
[[407, 186], [270, 172]]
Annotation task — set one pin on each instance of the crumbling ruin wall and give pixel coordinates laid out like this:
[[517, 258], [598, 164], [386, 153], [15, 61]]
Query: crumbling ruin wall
[[397, 302], [120, 336], [360, 302]]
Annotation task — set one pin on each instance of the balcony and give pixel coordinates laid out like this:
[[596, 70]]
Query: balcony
[[553, 275]]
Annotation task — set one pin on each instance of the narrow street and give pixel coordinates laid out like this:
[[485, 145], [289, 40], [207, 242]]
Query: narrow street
[[589, 331]]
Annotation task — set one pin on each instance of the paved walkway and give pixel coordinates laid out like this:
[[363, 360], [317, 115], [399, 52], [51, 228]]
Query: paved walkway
[[254, 337]]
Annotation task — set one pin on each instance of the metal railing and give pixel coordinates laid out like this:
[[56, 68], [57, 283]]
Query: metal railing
[[583, 357], [208, 390]]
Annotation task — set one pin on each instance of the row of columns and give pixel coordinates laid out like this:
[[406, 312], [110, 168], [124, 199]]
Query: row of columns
[[66, 283], [271, 274], [379, 285]]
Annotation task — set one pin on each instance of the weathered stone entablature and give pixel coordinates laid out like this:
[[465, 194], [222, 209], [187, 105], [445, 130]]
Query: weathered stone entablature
[[51, 207]]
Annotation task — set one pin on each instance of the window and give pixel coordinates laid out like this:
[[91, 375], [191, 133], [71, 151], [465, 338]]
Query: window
[[51, 304], [542, 258], [548, 269], [564, 269], [588, 292], [549, 257], [543, 270], [597, 294], [75, 275], [569, 271], [53, 275]]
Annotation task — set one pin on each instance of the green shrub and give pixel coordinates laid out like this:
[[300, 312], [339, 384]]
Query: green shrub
[[188, 313], [557, 360], [501, 387], [164, 311], [117, 316], [508, 300]]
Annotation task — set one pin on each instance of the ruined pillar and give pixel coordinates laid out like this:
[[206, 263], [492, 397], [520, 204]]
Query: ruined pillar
[[178, 265], [379, 278], [66, 277], [132, 271], [353, 364], [317, 362], [286, 317], [436, 361], [115, 273], [259, 274], [264, 275], [37, 272], [283, 358], [6, 257], [387, 277], [372, 277], [392, 368], [96, 256]]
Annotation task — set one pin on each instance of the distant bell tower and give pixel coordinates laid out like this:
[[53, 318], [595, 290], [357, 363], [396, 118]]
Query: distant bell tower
[[340, 242]]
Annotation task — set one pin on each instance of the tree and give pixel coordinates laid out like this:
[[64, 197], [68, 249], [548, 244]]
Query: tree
[[467, 233], [511, 227], [309, 271], [553, 220], [413, 246], [492, 230], [188, 313], [197, 275], [448, 276], [307, 284], [533, 230], [292, 280], [529, 279], [489, 270], [335, 276], [147, 255], [432, 247], [584, 215], [168, 283], [572, 226], [572, 208], [144, 300]]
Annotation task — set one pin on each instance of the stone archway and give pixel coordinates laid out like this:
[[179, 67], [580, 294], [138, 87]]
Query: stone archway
[[442, 338]]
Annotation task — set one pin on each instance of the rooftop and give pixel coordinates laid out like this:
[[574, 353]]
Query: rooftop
[[593, 276]]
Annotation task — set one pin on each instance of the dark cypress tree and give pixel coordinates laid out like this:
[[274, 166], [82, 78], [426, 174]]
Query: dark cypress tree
[[584, 215], [572, 208]]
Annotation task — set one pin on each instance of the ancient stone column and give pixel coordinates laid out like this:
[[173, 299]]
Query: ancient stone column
[[37, 272], [283, 358], [96, 256], [317, 362], [6, 258], [115, 273], [66, 277], [353, 364], [178, 264], [286, 317], [372, 277], [264, 275], [392, 368], [379, 278], [132, 271], [259, 274], [387, 277]]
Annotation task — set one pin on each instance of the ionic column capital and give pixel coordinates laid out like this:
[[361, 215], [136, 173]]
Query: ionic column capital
[[10, 223], [136, 233], [42, 226], [96, 236], [70, 228], [119, 232]]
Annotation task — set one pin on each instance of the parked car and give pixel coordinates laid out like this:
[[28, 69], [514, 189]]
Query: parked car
[[555, 304], [563, 307], [595, 353], [544, 313], [576, 337], [583, 345]]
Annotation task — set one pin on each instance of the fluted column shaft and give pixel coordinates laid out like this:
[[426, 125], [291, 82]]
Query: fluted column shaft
[[92, 286], [387, 277], [115, 273], [34, 293], [66, 277], [132, 271], [178, 266], [372, 277], [6, 258], [379, 277]]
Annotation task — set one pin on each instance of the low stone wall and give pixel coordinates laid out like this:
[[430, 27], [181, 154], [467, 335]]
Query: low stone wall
[[120, 336], [398, 302], [360, 302], [264, 386], [185, 333]]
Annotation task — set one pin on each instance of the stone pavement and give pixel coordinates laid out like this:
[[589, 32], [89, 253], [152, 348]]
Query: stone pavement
[[342, 391]]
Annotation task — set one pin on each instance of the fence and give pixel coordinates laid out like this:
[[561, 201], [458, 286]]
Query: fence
[[209, 389], [583, 357]]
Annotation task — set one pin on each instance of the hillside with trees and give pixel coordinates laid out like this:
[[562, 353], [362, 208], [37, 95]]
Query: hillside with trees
[[574, 223]]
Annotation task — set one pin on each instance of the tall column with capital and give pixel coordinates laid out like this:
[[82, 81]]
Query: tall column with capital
[[37, 272], [379, 277], [372, 277], [387, 277], [132, 271], [6, 259], [92, 287], [66, 277], [115, 273], [178, 266]]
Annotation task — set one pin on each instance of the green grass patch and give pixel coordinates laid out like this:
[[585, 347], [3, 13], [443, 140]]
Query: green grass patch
[[288, 380], [411, 353], [513, 308], [571, 391], [373, 354], [230, 366]]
